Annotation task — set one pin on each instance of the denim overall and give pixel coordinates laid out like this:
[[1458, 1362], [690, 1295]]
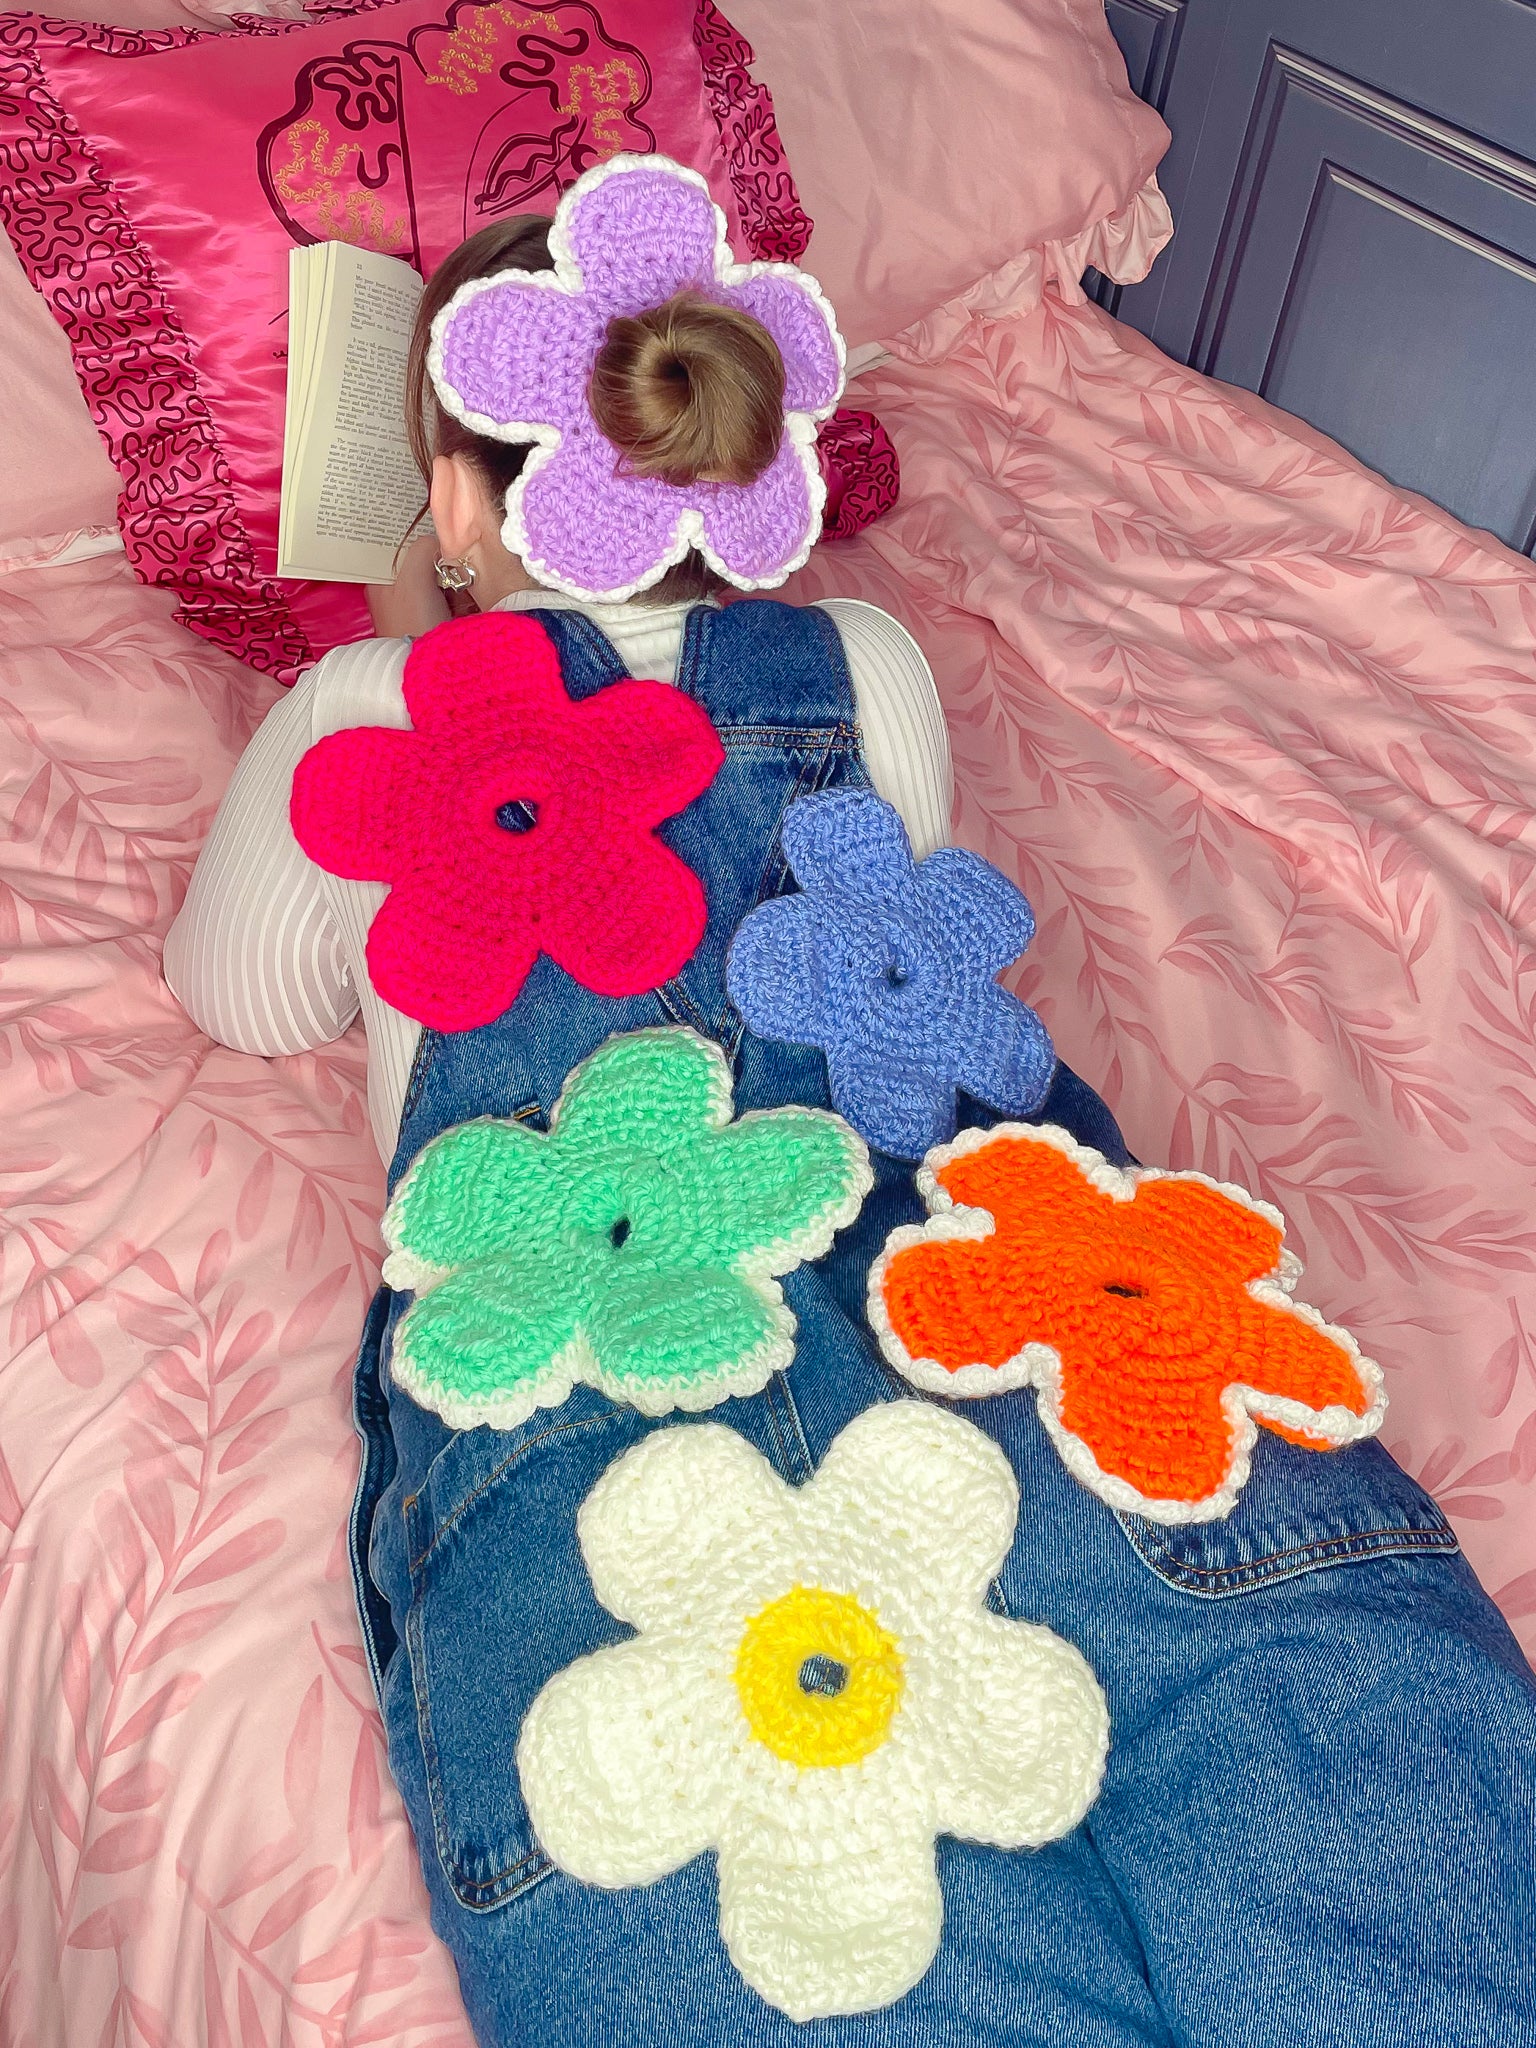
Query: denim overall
[[1317, 1821]]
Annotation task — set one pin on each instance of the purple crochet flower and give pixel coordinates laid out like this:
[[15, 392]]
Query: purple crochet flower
[[890, 965], [512, 356]]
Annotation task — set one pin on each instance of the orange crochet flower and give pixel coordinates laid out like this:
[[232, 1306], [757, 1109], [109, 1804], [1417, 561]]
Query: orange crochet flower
[[1152, 1311]]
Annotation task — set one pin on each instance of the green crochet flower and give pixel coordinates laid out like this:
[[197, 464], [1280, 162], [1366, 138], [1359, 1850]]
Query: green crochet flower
[[632, 1248]]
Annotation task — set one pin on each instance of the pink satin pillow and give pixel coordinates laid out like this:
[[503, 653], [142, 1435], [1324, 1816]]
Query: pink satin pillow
[[953, 153], [153, 184]]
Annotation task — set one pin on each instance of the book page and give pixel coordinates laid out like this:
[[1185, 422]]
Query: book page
[[302, 268], [350, 486]]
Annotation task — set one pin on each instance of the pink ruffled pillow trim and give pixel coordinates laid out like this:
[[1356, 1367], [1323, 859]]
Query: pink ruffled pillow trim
[[1123, 247]]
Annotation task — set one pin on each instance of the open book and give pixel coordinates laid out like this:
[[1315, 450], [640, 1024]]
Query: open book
[[350, 487]]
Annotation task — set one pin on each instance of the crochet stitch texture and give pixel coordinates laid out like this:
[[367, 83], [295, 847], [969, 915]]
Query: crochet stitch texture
[[512, 357], [890, 965], [1153, 1311], [511, 821], [816, 1690], [634, 1247]]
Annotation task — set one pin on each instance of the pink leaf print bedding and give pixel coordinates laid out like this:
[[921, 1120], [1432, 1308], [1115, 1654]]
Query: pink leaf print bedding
[[198, 1837], [1255, 734]]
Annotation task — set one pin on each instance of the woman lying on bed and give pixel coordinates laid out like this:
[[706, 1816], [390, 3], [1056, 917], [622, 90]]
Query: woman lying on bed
[[698, 1178]]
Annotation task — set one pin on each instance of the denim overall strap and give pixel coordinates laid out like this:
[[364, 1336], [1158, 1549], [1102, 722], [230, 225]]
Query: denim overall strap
[[778, 668], [588, 660]]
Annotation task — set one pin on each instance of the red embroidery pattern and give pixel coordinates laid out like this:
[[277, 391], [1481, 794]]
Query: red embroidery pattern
[[863, 476], [776, 225], [337, 164]]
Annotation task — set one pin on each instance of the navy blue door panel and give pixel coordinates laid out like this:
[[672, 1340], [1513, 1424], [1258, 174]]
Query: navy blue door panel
[[1148, 34], [1354, 183]]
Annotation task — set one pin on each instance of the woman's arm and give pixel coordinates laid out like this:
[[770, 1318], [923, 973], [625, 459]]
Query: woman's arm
[[906, 745], [254, 956]]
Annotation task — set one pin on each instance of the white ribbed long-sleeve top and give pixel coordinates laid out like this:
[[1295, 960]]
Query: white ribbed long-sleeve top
[[267, 953]]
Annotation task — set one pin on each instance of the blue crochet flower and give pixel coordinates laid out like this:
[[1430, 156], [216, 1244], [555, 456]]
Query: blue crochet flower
[[890, 965]]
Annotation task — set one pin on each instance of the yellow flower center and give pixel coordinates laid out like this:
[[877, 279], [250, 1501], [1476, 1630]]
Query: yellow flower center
[[818, 1677]]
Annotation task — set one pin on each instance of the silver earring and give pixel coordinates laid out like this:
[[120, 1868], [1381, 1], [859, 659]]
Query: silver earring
[[454, 575]]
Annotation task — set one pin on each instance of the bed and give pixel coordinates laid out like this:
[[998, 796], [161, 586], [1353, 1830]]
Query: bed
[[1251, 728]]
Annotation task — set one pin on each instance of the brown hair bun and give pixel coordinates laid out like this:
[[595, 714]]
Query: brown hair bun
[[690, 392], [522, 243]]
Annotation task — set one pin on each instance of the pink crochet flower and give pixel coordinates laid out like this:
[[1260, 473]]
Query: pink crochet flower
[[512, 356], [512, 821]]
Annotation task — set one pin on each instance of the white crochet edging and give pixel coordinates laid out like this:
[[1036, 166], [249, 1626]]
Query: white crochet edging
[[576, 1363], [1040, 1365], [405, 1272], [637, 1758], [800, 426]]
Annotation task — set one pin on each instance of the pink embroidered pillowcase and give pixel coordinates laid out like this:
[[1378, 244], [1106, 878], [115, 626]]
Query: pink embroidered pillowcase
[[153, 184], [955, 153]]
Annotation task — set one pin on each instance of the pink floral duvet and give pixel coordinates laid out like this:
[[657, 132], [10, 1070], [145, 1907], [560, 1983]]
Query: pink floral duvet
[[1256, 735]]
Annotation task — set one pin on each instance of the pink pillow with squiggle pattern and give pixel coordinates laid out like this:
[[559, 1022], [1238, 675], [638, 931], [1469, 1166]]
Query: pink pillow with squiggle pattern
[[153, 184]]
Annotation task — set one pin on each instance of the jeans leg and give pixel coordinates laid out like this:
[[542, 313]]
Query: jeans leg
[[1037, 1948], [1037, 1951]]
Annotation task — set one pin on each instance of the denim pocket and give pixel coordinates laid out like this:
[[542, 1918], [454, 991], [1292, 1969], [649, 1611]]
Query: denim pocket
[[1301, 1511], [500, 1601]]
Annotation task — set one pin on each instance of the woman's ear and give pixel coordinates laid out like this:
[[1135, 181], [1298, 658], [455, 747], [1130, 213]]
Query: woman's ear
[[457, 501], [467, 521]]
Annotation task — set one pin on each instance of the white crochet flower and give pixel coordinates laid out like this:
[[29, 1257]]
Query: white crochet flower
[[817, 1689]]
